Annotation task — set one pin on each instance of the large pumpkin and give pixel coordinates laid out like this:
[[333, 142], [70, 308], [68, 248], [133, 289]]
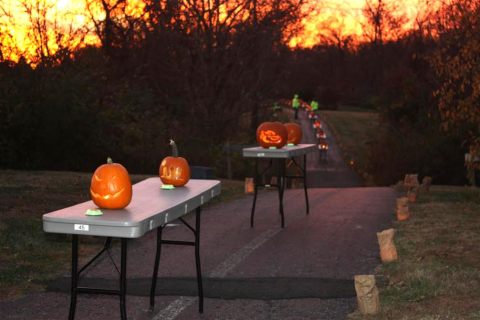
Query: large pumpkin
[[294, 132], [272, 134], [174, 170], [111, 187]]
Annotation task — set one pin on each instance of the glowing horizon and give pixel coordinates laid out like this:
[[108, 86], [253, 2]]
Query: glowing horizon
[[69, 18], [346, 18]]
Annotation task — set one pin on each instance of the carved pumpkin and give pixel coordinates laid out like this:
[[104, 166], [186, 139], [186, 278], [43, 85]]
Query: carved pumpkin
[[323, 145], [320, 134], [111, 187], [272, 134], [294, 133], [174, 170]]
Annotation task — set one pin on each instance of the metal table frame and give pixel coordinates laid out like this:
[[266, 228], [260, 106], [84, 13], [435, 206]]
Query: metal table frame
[[280, 156], [56, 222]]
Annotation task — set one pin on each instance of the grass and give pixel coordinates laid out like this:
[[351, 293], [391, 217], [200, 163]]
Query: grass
[[437, 275], [28, 256], [353, 131]]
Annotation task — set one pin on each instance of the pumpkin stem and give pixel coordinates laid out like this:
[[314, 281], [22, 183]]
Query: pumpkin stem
[[174, 148], [109, 160]]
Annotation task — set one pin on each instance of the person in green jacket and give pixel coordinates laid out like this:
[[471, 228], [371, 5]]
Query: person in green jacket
[[314, 105], [296, 104]]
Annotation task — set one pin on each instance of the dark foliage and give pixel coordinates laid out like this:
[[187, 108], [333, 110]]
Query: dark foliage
[[206, 82]]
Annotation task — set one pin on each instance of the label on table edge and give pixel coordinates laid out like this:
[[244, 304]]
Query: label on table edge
[[81, 227], [261, 154]]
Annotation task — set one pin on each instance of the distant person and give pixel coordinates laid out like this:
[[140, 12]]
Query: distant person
[[296, 105], [314, 105]]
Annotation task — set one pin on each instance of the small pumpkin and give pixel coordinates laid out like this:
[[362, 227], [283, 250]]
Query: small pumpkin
[[323, 145], [294, 133], [110, 187], [320, 134], [174, 170], [272, 134]]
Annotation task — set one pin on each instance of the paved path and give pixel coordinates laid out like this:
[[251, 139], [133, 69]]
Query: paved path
[[330, 172], [263, 272]]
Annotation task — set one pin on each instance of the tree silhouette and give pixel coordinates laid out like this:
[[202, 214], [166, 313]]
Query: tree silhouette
[[456, 64]]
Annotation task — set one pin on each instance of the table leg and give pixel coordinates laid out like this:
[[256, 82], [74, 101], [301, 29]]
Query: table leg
[[305, 181], [197, 259], [155, 268], [74, 279], [255, 191], [123, 279], [281, 187]]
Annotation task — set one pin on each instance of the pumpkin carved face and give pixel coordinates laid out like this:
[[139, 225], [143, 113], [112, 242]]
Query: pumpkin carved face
[[320, 134], [174, 170], [111, 187], [294, 132], [272, 134]]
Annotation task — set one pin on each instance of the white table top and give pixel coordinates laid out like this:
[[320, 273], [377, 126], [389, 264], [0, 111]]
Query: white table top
[[150, 208], [285, 152]]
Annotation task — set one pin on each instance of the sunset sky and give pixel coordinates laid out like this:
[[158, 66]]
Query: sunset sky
[[345, 17]]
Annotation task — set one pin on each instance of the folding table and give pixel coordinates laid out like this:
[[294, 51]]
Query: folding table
[[280, 156], [151, 208]]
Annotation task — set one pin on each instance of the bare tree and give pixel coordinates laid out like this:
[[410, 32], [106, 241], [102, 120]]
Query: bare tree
[[218, 56], [384, 20], [117, 23], [52, 35]]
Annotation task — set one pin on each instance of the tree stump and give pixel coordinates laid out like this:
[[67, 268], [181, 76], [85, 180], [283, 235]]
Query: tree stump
[[388, 251], [367, 294]]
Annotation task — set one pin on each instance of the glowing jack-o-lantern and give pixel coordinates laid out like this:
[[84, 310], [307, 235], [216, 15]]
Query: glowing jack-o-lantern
[[111, 187], [272, 134], [294, 133], [320, 134], [174, 170]]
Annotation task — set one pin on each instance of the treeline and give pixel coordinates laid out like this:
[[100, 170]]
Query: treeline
[[425, 85], [201, 72], [208, 72]]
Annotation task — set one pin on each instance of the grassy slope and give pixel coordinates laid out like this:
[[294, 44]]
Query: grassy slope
[[28, 256], [352, 131], [437, 275]]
